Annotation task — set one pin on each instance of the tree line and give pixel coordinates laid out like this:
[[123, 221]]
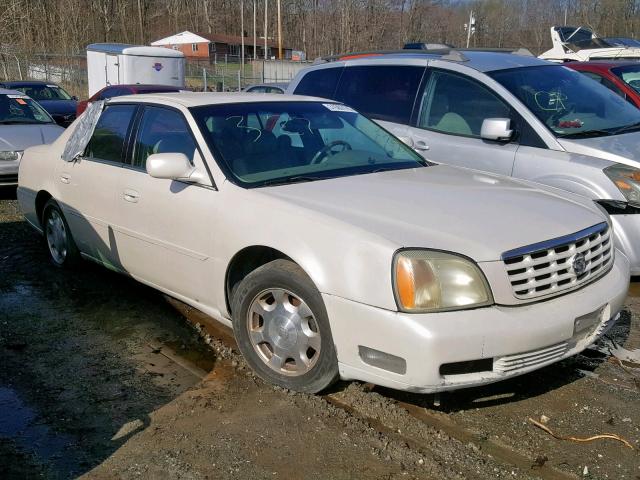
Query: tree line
[[318, 27]]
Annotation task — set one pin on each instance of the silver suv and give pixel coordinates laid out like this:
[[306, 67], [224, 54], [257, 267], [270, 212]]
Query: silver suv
[[507, 113]]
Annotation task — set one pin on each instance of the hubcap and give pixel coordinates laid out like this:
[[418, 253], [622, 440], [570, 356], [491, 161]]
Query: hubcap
[[283, 332], [56, 237]]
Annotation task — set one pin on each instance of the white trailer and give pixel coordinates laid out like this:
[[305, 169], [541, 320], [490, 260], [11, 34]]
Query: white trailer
[[119, 64]]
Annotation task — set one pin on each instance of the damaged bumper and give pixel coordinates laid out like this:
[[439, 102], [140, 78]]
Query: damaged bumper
[[450, 350]]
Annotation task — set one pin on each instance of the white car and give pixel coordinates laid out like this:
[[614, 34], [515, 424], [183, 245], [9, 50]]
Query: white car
[[330, 247]]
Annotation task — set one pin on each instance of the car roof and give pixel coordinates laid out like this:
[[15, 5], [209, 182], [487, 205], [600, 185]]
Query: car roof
[[197, 99], [26, 83], [144, 85], [273, 84], [481, 60], [604, 63], [8, 91]]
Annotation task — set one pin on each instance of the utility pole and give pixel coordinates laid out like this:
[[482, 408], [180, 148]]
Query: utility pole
[[266, 6], [471, 27], [279, 33], [242, 34], [255, 52]]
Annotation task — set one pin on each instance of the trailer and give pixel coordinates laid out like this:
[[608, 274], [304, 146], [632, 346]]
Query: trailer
[[117, 64]]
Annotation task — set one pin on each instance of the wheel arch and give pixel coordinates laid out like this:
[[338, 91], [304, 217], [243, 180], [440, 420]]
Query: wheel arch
[[246, 261], [42, 197]]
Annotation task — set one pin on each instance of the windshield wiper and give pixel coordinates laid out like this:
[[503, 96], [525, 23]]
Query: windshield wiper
[[586, 134], [287, 180], [627, 128]]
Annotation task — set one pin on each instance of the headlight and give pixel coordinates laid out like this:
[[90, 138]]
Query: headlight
[[627, 179], [10, 156], [431, 281]]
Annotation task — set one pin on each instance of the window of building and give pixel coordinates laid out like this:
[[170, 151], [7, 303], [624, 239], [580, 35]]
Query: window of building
[[194, 47]]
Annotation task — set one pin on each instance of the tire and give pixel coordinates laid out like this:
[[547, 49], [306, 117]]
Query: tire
[[62, 249], [282, 328]]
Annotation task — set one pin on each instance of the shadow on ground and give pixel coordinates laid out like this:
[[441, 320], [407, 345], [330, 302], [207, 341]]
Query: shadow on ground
[[78, 375]]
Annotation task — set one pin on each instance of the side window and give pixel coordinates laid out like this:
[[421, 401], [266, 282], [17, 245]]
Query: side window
[[320, 83], [457, 105], [605, 82], [109, 137], [162, 131], [385, 92]]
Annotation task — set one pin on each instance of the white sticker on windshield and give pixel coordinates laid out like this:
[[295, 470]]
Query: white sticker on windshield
[[337, 107], [52, 86], [18, 96]]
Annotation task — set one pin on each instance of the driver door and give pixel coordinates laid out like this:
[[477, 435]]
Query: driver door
[[452, 109]]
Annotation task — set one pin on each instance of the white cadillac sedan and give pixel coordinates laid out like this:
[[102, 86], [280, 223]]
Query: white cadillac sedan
[[331, 248]]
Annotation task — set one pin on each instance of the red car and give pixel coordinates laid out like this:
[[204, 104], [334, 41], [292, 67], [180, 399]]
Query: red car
[[121, 90], [623, 77]]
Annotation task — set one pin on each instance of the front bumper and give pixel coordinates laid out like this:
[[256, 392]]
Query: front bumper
[[9, 172], [518, 339], [626, 229]]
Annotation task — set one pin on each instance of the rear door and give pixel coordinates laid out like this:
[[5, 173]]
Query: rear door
[[88, 186], [164, 228], [450, 112], [112, 70]]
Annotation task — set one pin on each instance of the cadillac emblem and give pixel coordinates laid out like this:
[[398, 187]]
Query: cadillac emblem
[[578, 264]]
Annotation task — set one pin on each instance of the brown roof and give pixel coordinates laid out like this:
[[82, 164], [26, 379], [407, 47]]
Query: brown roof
[[237, 40]]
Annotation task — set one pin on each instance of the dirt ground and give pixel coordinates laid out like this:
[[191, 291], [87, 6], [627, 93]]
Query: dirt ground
[[101, 377]]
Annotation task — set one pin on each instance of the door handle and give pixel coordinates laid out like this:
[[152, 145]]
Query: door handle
[[131, 196], [65, 178], [420, 146]]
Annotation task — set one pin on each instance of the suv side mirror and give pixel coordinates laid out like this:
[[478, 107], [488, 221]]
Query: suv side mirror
[[496, 129], [75, 97], [172, 166]]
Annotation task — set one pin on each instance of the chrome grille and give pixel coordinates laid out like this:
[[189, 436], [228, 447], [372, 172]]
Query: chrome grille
[[511, 363], [548, 268]]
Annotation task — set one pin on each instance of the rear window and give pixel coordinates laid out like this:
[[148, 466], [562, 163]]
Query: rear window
[[381, 92], [320, 83]]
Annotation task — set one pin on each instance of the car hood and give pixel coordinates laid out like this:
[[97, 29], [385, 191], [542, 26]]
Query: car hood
[[623, 148], [59, 107], [441, 207], [19, 137]]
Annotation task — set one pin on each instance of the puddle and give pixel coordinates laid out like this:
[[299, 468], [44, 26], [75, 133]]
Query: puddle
[[20, 423]]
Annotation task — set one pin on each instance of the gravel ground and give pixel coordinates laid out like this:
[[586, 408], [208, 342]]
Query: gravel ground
[[103, 377]]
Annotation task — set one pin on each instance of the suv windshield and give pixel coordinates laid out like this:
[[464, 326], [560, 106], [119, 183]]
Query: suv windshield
[[21, 109], [267, 143], [570, 104], [44, 92]]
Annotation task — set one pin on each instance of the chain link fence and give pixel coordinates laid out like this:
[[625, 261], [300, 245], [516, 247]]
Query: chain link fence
[[220, 73]]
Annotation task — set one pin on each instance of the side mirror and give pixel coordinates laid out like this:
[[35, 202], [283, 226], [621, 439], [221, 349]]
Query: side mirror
[[496, 129], [74, 98], [172, 166]]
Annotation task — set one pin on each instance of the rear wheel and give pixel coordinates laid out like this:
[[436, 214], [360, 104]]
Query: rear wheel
[[282, 328], [62, 248]]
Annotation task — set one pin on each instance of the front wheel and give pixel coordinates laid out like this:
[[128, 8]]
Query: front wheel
[[282, 328], [62, 248]]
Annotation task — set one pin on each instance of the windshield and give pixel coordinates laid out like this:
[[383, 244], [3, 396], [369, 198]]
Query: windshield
[[21, 109], [630, 75], [581, 39], [570, 104], [623, 42], [44, 92], [265, 143]]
